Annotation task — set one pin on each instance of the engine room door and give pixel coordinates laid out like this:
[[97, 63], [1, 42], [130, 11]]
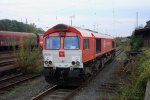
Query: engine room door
[[98, 45]]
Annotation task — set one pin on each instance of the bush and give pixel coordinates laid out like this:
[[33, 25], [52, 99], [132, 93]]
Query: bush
[[136, 42], [126, 46], [29, 57]]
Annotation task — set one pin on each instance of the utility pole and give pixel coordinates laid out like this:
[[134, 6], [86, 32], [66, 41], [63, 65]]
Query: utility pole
[[137, 19], [26, 24], [71, 19], [93, 27]]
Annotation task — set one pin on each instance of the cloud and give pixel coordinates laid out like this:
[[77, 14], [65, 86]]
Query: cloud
[[116, 17]]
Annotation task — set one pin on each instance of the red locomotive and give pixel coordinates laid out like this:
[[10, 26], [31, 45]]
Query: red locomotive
[[8, 40], [71, 52]]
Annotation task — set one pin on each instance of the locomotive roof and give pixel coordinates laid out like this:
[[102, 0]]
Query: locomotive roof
[[88, 33], [82, 32]]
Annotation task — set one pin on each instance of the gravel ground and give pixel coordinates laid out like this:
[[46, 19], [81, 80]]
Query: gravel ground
[[108, 75], [26, 90]]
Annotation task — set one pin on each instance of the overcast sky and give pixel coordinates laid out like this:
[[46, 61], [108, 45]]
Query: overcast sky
[[113, 17]]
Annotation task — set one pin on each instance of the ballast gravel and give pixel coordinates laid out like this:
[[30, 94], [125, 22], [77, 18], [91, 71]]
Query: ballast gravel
[[109, 74], [25, 91]]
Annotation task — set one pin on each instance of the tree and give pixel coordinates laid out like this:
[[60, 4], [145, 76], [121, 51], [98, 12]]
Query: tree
[[13, 25], [136, 42]]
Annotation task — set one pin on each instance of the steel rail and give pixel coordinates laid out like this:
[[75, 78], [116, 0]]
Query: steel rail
[[5, 79], [39, 96], [26, 78]]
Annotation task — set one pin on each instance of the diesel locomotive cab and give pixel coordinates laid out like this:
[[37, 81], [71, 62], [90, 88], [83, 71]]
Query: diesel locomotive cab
[[62, 55]]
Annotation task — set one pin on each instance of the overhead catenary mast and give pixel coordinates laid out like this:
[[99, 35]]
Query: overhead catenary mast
[[137, 19], [71, 19]]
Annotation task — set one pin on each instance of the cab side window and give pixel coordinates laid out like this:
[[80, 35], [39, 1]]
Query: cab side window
[[86, 44], [98, 45]]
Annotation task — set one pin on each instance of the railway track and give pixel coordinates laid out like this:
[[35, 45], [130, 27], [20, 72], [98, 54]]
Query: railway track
[[6, 56], [14, 80], [7, 61], [10, 77], [6, 52], [60, 93], [55, 92], [119, 51], [109, 87]]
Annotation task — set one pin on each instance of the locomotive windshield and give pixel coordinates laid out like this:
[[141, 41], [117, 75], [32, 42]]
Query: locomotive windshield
[[71, 42], [52, 42]]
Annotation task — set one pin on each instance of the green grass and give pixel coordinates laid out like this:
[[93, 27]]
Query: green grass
[[135, 87]]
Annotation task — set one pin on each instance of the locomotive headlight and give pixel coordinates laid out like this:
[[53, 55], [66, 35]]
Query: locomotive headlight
[[73, 62], [50, 62], [48, 59], [46, 62], [78, 63]]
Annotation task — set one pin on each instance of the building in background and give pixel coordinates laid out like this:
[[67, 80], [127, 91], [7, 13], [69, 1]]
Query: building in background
[[145, 34]]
